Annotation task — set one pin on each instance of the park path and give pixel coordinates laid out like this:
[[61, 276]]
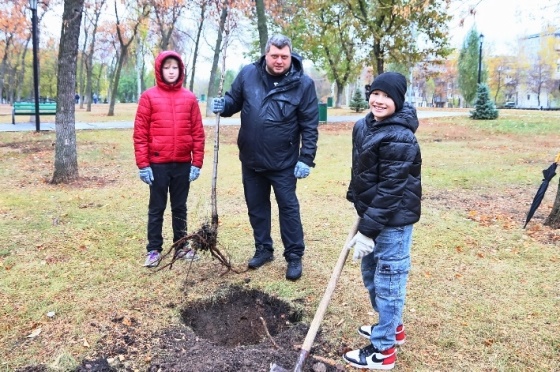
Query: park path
[[209, 121]]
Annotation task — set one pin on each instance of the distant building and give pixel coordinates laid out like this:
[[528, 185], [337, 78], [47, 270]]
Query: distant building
[[539, 78]]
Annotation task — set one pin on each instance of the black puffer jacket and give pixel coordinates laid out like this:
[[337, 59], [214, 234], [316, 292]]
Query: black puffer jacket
[[278, 128], [386, 186]]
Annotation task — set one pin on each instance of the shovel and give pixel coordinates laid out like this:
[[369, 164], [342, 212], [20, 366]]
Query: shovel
[[319, 314]]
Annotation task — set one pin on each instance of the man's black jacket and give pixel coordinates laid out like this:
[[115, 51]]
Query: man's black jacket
[[278, 128]]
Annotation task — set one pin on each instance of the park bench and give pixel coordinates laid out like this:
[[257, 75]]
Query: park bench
[[28, 108]]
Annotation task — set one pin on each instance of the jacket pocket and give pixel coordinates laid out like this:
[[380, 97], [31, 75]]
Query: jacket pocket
[[391, 277], [281, 108]]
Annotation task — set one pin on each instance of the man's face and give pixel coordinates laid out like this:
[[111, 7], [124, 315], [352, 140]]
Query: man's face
[[170, 70], [278, 61]]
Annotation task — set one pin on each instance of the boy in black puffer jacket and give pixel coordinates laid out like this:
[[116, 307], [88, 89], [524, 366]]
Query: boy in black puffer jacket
[[386, 190]]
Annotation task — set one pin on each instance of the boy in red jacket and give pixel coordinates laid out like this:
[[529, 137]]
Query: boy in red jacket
[[169, 150]]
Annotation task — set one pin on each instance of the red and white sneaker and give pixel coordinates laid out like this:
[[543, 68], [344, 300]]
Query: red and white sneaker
[[371, 358], [400, 335]]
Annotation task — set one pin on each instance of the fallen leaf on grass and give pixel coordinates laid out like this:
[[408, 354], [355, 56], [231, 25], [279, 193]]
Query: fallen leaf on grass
[[36, 332], [126, 321], [488, 342], [86, 344]]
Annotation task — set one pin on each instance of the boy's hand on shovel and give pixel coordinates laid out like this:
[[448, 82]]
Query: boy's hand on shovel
[[362, 244]]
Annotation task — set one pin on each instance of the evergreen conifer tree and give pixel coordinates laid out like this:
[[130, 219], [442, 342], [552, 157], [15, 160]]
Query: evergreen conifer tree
[[358, 103], [484, 108]]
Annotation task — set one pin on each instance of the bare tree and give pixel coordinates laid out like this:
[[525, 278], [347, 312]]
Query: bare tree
[[66, 156], [212, 86], [200, 27], [125, 40], [167, 13], [93, 20], [81, 64], [539, 78]]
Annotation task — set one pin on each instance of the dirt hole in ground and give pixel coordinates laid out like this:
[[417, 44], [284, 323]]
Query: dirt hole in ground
[[234, 317]]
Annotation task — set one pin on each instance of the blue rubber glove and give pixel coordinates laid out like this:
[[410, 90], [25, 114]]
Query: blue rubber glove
[[218, 105], [302, 170], [146, 175], [195, 172]]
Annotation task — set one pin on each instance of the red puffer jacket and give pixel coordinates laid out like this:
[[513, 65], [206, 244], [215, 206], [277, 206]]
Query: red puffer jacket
[[168, 124]]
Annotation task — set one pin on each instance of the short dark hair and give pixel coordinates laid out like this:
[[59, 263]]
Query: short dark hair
[[279, 41]]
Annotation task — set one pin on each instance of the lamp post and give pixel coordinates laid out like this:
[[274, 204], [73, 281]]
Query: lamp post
[[33, 6], [481, 38]]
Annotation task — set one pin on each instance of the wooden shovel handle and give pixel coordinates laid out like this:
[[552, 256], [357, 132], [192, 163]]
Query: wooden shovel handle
[[319, 314]]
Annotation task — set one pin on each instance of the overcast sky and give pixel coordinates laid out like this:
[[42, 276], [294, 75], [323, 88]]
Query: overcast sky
[[503, 21]]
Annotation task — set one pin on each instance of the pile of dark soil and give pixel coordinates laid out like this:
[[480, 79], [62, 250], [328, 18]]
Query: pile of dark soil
[[240, 330]]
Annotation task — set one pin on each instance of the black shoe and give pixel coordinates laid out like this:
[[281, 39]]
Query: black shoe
[[262, 256], [293, 272]]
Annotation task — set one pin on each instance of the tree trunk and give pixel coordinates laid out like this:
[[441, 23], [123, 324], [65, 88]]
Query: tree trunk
[[212, 88], [261, 24], [4, 64], [339, 91], [66, 156], [553, 220], [142, 13], [81, 83], [120, 63], [89, 57], [197, 43], [139, 70]]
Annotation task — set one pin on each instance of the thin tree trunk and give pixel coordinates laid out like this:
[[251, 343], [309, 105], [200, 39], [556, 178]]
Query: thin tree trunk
[[66, 155], [196, 44], [553, 220], [212, 89], [4, 64], [120, 63], [139, 71], [143, 12], [89, 57], [81, 83], [261, 24]]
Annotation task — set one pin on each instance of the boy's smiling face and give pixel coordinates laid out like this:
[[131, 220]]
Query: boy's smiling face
[[382, 106]]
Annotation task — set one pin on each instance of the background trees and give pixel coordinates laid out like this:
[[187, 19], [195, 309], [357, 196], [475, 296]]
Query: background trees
[[468, 66], [340, 38]]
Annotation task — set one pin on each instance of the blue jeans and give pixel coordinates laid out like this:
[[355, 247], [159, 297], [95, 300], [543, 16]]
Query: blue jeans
[[385, 273], [172, 178]]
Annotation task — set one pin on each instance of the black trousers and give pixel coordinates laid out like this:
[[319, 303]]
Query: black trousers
[[172, 178], [257, 187]]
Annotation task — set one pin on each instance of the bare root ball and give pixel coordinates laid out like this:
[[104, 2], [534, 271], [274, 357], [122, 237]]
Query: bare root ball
[[205, 239]]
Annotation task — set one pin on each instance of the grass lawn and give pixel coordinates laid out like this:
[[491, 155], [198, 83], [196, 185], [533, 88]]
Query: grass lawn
[[483, 293]]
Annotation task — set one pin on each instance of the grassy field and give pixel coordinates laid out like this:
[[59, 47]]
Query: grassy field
[[483, 293]]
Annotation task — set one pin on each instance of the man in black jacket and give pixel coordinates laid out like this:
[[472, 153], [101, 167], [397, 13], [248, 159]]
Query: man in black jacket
[[277, 145]]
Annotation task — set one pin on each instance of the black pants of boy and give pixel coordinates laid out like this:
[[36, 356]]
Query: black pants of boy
[[172, 178], [257, 187]]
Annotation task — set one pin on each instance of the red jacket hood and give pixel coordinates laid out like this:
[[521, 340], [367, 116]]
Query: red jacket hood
[[159, 77]]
